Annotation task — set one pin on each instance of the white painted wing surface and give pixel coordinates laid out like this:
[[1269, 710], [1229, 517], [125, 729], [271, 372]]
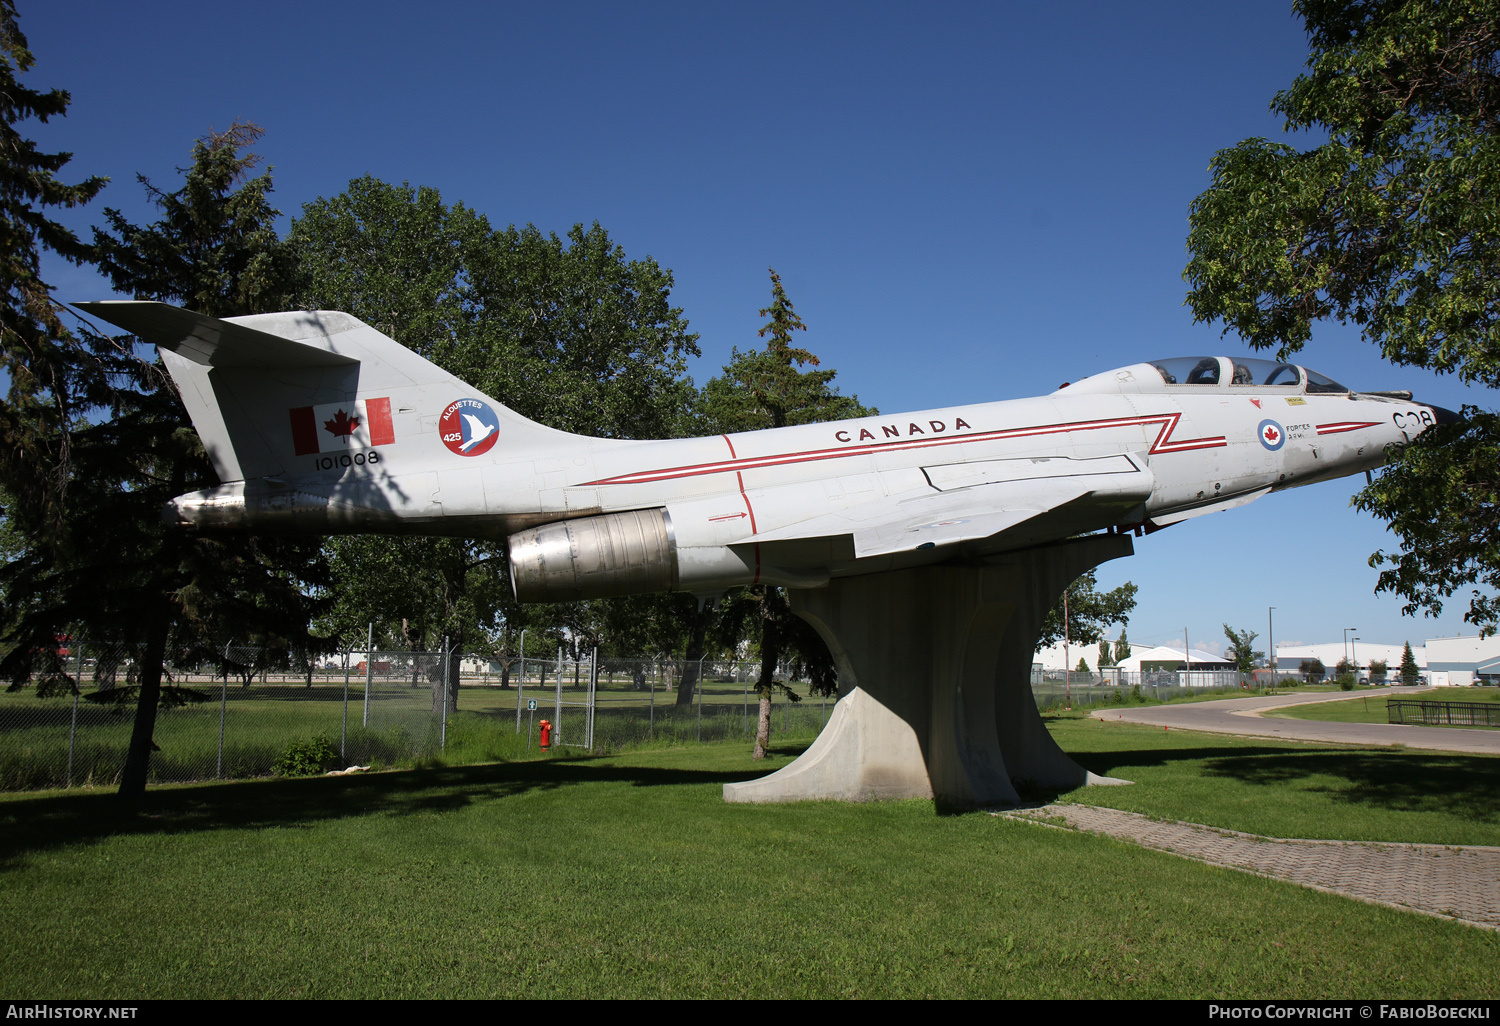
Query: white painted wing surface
[[968, 502]]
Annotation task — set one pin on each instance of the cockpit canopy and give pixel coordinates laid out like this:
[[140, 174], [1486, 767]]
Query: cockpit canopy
[[1208, 372]]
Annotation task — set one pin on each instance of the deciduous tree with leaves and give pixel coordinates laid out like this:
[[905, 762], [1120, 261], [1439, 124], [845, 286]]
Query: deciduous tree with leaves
[[564, 330], [1090, 613], [1392, 224], [1241, 650]]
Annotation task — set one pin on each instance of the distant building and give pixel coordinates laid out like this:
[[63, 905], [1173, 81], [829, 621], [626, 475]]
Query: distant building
[[1359, 653], [1165, 657], [1463, 661], [1054, 659]]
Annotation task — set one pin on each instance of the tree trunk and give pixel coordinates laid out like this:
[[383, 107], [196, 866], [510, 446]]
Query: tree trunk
[[763, 727], [694, 656], [770, 654], [138, 759]]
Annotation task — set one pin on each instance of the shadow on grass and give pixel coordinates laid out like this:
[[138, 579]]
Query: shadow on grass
[[38, 824], [1467, 787]]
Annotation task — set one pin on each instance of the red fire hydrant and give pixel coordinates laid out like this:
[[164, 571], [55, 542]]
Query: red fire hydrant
[[546, 735]]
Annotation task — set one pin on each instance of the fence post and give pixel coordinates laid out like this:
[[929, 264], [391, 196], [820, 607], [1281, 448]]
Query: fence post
[[223, 705], [698, 684], [557, 707], [593, 692], [73, 724], [651, 724], [443, 718], [344, 728], [369, 669]]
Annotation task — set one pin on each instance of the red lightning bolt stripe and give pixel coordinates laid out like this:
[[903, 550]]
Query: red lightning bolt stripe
[[748, 508], [1346, 425], [1162, 444]]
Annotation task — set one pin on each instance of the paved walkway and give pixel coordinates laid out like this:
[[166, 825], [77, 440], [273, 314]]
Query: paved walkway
[[1457, 883], [1243, 716]]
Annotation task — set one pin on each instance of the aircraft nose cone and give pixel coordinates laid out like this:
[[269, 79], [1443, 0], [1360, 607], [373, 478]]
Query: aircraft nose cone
[[1445, 416]]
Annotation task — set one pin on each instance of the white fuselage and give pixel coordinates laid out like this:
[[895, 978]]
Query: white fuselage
[[799, 505]]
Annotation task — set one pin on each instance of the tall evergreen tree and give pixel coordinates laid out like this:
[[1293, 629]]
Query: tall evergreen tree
[[1411, 674], [48, 389], [1122, 648], [766, 389], [215, 249], [54, 377], [110, 570]]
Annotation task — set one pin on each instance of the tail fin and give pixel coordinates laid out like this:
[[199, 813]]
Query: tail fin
[[270, 393]]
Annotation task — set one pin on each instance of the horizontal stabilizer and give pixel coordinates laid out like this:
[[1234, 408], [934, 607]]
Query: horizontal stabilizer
[[214, 343]]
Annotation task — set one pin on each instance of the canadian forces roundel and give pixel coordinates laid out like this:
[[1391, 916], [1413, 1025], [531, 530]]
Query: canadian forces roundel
[[1272, 435], [469, 427]]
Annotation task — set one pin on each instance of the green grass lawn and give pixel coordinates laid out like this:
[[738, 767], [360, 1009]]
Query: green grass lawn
[[1372, 709], [628, 876], [1287, 788]]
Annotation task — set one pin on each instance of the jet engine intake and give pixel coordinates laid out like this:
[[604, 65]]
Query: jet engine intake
[[594, 557]]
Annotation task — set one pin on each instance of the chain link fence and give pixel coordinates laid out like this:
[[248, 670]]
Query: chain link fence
[[1056, 688], [237, 715], [233, 718], [619, 702]]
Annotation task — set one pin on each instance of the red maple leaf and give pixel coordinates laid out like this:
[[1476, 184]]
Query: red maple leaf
[[342, 425], [1272, 434]]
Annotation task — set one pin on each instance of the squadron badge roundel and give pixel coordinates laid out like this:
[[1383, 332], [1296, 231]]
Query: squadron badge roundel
[[1272, 436], [469, 427]]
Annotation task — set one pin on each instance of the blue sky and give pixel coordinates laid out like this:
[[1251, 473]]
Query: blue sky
[[966, 201]]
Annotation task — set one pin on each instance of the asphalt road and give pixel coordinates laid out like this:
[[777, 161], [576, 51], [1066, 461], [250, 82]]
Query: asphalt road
[[1243, 716]]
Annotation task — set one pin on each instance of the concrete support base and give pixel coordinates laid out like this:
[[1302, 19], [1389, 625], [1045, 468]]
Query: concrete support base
[[936, 662]]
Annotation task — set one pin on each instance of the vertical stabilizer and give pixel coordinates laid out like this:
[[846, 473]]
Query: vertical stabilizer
[[285, 395]]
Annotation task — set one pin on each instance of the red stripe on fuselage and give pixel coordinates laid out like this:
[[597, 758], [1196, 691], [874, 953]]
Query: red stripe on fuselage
[[748, 508], [1162, 444], [1346, 425]]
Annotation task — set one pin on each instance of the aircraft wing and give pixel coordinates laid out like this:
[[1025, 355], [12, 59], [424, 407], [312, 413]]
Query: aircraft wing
[[970, 502]]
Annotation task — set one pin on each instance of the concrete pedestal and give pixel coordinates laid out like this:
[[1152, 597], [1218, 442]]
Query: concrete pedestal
[[936, 664]]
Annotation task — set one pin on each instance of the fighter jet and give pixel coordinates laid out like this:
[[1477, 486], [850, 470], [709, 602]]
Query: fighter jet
[[317, 423]]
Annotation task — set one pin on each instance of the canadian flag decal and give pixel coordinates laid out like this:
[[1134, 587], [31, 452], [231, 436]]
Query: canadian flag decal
[[339, 427]]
